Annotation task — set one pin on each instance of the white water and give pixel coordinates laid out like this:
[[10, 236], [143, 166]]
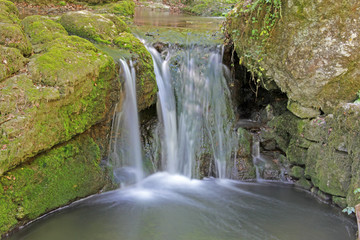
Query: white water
[[125, 147], [199, 123]]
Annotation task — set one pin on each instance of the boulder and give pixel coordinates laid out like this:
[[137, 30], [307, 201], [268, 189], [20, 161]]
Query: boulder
[[11, 61], [96, 27]]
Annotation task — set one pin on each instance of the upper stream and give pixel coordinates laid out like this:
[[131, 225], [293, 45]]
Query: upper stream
[[195, 122]]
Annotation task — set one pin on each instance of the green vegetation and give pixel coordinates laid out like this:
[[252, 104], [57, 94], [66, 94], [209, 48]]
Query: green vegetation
[[42, 30], [350, 210], [124, 8], [209, 7], [50, 180], [8, 12], [358, 95], [11, 62], [258, 19], [95, 27]]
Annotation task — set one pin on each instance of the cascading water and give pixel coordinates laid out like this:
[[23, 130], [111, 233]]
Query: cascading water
[[125, 145], [199, 123]]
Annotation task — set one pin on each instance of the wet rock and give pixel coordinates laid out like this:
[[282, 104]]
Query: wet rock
[[339, 201], [304, 183], [146, 87], [297, 172]]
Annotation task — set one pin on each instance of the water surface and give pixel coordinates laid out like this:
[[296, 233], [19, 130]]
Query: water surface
[[172, 207]]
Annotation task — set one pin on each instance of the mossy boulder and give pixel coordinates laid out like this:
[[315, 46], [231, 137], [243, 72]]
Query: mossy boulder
[[207, 7], [146, 86], [41, 29], [64, 93], [8, 12], [312, 53], [96, 27], [329, 170], [51, 179], [297, 172], [122, 8], [11, 61], [11, 35]]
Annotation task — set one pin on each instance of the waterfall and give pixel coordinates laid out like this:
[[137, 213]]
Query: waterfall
[[199, 122], [125, 145]]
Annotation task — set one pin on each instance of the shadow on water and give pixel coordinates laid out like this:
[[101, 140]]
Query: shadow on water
[[173, 207]]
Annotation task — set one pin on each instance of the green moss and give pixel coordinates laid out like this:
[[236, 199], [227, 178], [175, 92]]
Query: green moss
[[11, 35], [145, 77], [304, 183], [52, 179], [96, 27], [76, 80], [209, 7], [297, 172], [11, 61], [123, 8], [8, 12], [41, 29]]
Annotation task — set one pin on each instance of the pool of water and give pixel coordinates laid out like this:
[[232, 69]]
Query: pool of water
[[172, 207], [167, 27]]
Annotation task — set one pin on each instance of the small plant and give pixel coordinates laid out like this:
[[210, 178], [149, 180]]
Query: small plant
[[358, 95], [62, 3], [260, 19], [350, 210]]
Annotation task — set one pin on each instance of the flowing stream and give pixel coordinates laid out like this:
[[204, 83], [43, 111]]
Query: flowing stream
[[195, 122]]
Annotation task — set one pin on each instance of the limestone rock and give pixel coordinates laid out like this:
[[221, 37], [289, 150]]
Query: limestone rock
[[146, 87], [41, 29], [96, 27], [302, 112], [63, 94], [11, 61], [313, 52]]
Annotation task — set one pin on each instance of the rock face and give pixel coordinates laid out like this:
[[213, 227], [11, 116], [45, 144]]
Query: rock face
[[313, 53], [323, 151], [63, 93]]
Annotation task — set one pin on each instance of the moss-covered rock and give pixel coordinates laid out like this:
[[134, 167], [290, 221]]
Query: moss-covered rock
[[146, 86], [96, 27], [11, 35], [41, 29], [123, 8], [312, 53], [207, 7], [330, 170], [295, 154], [11, 61], [304, 183], [64, 94], [297, 172], [339, 201], [302, 112], [50, 180], [8, 12], [244, 167]]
